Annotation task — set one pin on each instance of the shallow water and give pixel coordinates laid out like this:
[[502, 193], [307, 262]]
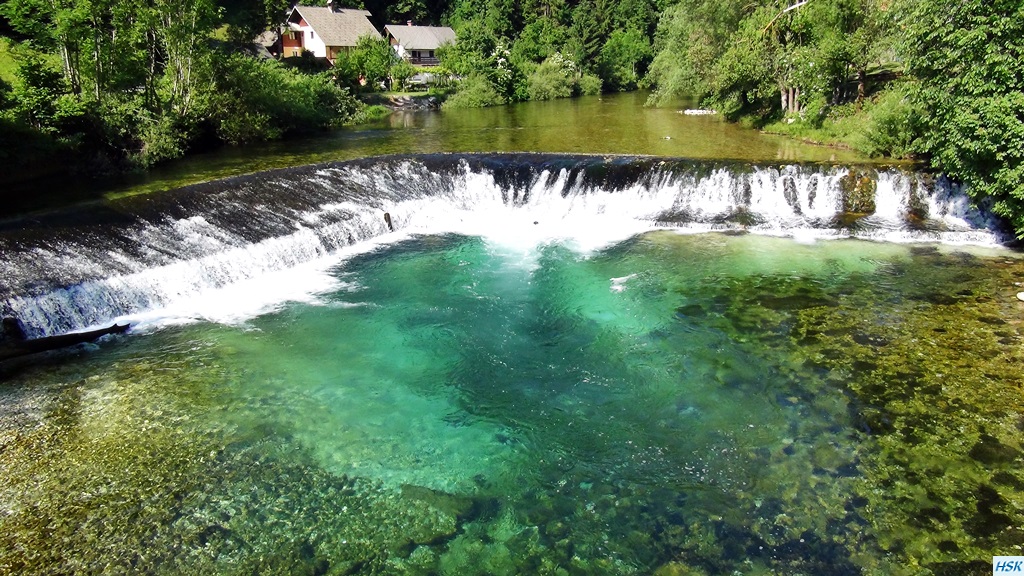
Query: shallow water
[[686, 404]]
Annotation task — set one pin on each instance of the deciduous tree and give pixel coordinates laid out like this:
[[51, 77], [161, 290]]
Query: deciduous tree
[[969, 57]]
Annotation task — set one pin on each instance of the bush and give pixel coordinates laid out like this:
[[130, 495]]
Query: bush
[[162, 140], [476, 91], [401, 71], [262, 100], [815, 109], [892, 126], [371, 113], [552, 79], [589, 85]]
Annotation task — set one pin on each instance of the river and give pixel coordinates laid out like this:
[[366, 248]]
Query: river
[[609, 124], [577, 337]]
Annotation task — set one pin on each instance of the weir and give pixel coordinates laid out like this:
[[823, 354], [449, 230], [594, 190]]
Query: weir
[[72, 270]]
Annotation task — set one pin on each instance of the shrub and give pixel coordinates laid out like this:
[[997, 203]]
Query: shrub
[[892, 127], [371, 113], [589, 85], [476, 91], [401, 71], [552, 79], [162, 140], [262, 100]]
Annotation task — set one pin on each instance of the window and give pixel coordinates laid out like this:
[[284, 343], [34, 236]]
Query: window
[[310, 34]]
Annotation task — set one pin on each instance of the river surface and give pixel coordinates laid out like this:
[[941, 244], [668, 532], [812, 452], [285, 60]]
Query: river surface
[[518, 363], [609, 124]]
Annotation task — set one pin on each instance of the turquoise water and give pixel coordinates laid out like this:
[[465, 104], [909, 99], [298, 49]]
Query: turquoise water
[[671, 404]]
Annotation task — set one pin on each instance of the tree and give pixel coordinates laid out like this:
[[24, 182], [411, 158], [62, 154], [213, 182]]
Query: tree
[[538, 40], [42, 100], [263, 100], [473, 51], [401, 71], [691, 37], [623, 58], [589, 28], [407, 10], [372, 58], [183, 29], [969, 56]]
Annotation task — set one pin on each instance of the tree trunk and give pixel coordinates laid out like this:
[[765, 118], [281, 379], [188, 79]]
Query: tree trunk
[[14, 346], [69, 61], [97, 57], [862, 85]]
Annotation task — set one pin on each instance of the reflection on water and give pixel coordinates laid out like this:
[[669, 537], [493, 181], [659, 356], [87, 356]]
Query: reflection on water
[[671, 404], [609, 124]]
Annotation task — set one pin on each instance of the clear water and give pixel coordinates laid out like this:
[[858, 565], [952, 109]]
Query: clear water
[[448, 404]]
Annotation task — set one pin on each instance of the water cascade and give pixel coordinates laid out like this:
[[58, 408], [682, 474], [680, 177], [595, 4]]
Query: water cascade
[[69, 271]]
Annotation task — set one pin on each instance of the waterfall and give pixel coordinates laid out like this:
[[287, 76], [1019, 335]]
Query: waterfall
[[74, 270]]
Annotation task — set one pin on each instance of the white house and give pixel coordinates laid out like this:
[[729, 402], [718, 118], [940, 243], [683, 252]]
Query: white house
[[324, 31], [418, 44]]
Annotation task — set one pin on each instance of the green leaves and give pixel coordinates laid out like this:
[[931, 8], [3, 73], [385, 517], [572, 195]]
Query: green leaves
[[969, 57], [262, 100], [623, 58], [372, 59]]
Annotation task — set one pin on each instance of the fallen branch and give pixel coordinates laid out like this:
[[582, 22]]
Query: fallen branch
[[18, 348]]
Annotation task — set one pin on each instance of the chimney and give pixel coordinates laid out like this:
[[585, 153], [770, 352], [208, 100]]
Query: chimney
[[408, 22]]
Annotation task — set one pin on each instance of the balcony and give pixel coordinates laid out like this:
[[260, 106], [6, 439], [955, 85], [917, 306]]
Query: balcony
[[423, 60]]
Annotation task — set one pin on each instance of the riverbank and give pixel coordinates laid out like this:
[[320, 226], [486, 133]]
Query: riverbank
[[395, 101], [880, 126]]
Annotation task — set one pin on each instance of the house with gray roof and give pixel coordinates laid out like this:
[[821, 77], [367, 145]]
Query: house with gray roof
[[418, 44], [324, 31]]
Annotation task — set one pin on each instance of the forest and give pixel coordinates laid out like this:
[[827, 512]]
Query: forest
[[114, 85]]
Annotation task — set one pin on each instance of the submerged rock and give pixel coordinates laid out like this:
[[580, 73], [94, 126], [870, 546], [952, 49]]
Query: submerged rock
[[458, 506]]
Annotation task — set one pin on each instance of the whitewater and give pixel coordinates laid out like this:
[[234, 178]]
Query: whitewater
[[229, 250]]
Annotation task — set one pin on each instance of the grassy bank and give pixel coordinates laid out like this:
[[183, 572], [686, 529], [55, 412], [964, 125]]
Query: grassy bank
[[884, 124]]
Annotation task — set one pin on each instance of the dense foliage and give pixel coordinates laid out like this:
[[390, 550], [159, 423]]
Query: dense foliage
[[125, 83], [907, 78], [969, 60], [542, 49], [119, 84]]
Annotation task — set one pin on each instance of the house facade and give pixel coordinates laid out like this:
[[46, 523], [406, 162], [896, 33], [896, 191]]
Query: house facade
[[418, 44], [324, 31]]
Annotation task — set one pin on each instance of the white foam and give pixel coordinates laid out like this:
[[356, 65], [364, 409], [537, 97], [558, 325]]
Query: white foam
[[619, 284], [194, 271]]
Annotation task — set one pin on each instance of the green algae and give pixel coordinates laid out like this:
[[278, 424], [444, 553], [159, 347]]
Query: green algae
[[125, 474], [938, 389]]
